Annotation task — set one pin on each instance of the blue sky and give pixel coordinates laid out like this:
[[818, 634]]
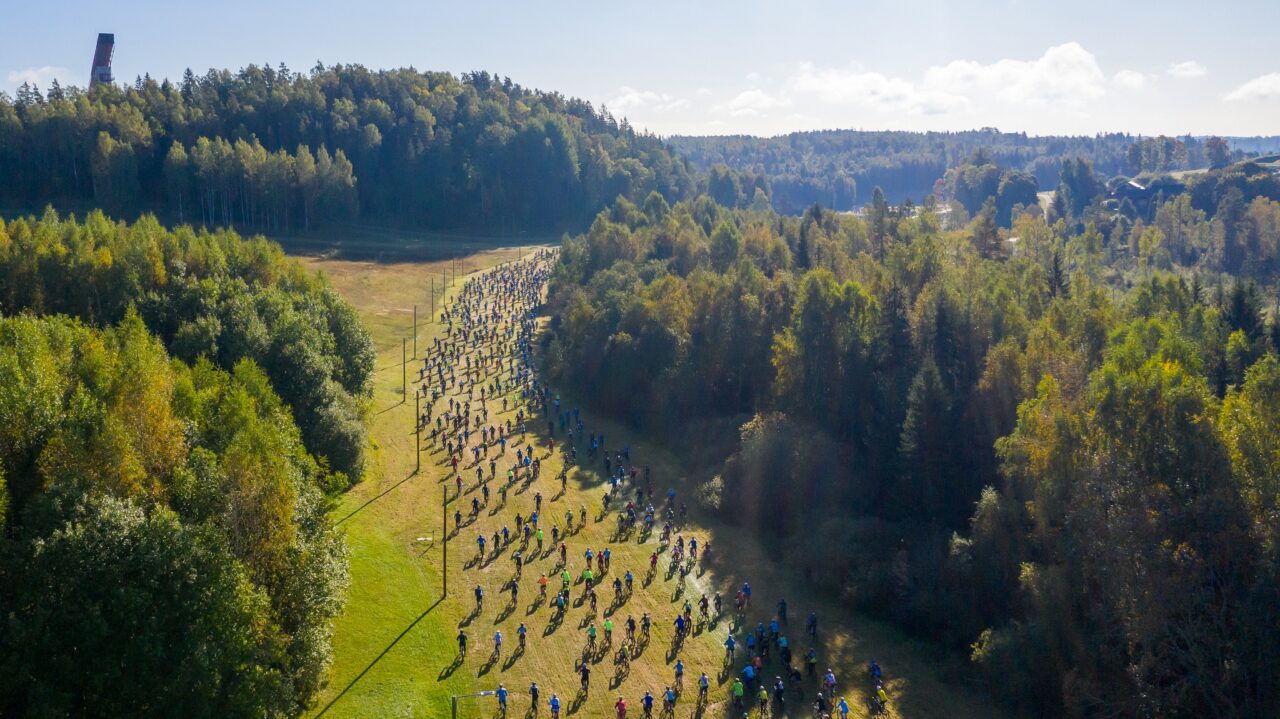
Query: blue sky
[[749, 66]]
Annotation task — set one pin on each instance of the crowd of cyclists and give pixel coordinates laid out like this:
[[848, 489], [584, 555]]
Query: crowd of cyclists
[[482, 395]]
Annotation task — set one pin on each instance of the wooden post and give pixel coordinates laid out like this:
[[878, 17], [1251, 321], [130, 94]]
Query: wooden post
[[433, 298], [444, 546], [417, 431], [404, 368], [415, 332]]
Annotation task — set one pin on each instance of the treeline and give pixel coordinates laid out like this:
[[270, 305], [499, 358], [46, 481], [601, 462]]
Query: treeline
[[1051, 454], [838, 168], [272, 149], [165, 550], [206, 295]]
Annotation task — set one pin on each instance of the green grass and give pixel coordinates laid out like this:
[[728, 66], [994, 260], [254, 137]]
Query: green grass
[[370, 242], [394, 650]]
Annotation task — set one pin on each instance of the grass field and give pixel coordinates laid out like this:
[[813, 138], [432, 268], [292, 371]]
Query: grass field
[[395, 654]]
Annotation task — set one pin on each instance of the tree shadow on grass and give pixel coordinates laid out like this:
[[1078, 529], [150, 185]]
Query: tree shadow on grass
[[382, 654]]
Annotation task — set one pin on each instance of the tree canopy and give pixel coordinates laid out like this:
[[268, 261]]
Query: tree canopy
[[1049, 447], [276, 150]]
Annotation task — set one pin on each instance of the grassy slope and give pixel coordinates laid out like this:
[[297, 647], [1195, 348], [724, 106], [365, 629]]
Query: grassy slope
[[394, 645]]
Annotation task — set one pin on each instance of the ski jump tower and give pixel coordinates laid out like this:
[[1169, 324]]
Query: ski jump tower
[[101, 71]]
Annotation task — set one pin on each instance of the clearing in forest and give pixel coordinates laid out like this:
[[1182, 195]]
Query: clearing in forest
[[395, 653]]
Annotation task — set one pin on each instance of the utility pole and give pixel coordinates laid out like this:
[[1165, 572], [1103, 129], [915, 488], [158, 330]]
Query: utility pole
[[415, 331], [404, 369], [417, 432], [433, 298], [444, 531]]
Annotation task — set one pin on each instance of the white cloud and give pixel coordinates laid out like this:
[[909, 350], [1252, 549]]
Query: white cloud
[[872, 89], [41, 77], [1265, 87], [629, 98], [1131, 79], [1064, 75], [754, 102], [1187, 70]]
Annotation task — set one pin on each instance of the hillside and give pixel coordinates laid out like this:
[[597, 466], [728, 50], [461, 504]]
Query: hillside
[[281, 151], [840, 168]]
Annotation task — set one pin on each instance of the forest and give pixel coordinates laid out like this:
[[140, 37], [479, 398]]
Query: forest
[[839, 168], [1040, 434], [161, 506], [1050, 449], [274, 150]]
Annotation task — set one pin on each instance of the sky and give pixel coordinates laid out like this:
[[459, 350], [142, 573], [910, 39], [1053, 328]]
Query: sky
[[718, 67]]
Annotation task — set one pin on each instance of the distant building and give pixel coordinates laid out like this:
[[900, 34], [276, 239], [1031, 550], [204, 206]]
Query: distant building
[[101, 71]]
